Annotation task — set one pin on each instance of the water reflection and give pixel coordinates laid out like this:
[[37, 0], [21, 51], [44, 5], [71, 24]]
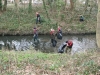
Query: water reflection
[[80, 43]]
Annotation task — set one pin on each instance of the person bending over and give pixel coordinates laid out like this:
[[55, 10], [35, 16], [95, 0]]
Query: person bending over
[[68, 45]]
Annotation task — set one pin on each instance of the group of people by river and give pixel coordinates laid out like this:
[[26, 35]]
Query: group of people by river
[[53, 35]]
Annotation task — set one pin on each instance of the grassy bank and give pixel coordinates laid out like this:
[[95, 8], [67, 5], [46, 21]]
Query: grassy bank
[[37, 63], [21, 22]]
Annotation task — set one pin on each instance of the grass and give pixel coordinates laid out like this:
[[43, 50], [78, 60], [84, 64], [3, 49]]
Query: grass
[[12, 22], [37, 63]]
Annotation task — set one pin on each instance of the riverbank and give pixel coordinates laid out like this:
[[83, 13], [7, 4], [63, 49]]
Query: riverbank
[[22, 22], [28, 34], [37, 63]]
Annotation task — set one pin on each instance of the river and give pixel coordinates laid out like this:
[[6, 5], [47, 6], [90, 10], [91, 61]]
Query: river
[[80, 43]]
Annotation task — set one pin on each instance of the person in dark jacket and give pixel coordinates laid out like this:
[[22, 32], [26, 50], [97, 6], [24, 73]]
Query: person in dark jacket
[[52, 35], [68, 45], [81, 18], [59, 33], [38, 18], [61, 48]]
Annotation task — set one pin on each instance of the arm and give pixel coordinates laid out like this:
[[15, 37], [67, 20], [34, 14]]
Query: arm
[[64, 45]]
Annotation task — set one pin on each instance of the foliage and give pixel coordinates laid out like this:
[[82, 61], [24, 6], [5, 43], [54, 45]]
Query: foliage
[[43, 63], [30, 6], [53, 15], [0, 5]]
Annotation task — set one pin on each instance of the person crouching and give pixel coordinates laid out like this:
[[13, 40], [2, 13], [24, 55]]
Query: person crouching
[[69, 45]]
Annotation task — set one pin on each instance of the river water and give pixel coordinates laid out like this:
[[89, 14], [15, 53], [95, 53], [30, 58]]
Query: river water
[[80, 43]]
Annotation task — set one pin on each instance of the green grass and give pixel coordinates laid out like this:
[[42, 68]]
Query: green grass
[[22, 21], [31, 62]]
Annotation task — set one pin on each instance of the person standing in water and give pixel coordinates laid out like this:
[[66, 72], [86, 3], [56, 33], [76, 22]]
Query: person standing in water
[[52, 35], [59, 33], [35, 32]]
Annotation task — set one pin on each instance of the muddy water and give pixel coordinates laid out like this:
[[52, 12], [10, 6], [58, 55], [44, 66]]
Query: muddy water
[[81, 42]]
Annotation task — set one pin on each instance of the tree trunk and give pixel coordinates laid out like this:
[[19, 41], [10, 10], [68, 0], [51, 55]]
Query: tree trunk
[[86, 4], [65, 4], [98, 26], [72, 4], [0, 5], [49, 3], [16, 4], [30, 6], [46, 10], [5, 5]]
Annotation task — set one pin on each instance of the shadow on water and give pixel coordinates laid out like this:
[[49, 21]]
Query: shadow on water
[[80, 43]]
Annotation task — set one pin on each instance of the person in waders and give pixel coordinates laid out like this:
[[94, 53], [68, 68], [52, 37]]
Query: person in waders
[[38, 18], [68, 45], [52, 35], [35, 32], [59, 33]]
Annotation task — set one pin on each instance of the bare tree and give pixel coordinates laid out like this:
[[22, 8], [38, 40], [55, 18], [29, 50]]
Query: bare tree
[[16, 4], [46, 9], [98, 26], [30, 6], [86, 5], [65, 4], [5, 5], [0, 5], [49, 3], [72, 4]]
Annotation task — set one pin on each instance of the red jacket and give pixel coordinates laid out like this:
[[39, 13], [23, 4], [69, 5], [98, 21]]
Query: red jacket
[[70, 43], [35, 31]]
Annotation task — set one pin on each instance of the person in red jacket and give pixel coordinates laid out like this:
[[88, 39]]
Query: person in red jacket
[[35, 32], [69, 45]]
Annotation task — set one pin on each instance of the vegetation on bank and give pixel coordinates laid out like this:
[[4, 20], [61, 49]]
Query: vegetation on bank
[[37, 63], [20, 21]]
